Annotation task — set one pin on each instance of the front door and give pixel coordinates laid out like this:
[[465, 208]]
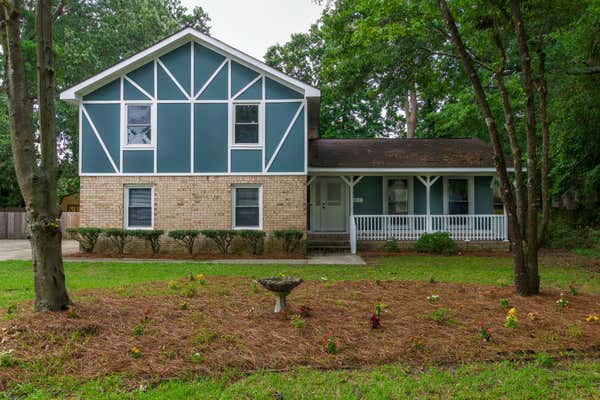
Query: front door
[[328, 205]]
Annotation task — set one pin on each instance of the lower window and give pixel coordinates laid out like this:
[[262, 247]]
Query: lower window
[[458, 196], [138, 207], [247, 213]]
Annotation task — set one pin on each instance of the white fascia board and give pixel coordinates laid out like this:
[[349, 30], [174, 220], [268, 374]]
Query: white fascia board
[[74, 93], [403, 170]]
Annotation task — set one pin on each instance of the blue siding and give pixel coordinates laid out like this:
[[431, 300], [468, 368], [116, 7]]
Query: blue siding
[[93, 158], [246, 161], [206, 63], [178, 62], [278, 117], [370, 189], [110, 91], [107, 120], [210, 138], [130, 92], [167, 89], [240, 77], [138, 161], [291, 154], [419, 197], [254, 92], [173, 145], [217, 90], [276, 91], [144, 77], [483, 195], [437, 197]]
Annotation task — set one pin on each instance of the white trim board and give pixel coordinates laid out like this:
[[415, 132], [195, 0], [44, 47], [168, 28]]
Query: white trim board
[[74, 93], [432, 171]]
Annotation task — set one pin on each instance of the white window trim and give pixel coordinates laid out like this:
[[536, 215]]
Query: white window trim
[[470, 190], [260, 206], [261, 124], [126, 207], [153, 129], [411, 199]]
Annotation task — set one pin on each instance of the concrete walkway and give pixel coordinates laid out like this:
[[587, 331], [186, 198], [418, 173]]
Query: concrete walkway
[[20, 249]]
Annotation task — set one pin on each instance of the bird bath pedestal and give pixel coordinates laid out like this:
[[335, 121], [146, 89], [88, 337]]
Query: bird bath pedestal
[[281, 287]]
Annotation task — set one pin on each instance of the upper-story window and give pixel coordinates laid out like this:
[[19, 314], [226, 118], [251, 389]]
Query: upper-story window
[[139, 125], [246, 131]]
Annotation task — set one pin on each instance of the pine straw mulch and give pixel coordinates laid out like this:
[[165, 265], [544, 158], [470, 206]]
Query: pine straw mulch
[[229, 325]]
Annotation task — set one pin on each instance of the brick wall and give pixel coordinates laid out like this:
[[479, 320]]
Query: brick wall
[[194, 202]]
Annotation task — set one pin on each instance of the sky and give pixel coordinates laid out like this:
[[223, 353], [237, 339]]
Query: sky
[[252, 26]]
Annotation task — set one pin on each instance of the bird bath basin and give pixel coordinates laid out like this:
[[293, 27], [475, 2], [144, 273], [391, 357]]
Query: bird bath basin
[[281, 287]]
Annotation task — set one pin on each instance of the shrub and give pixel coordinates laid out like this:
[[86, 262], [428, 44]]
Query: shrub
[[253, 239], [118, 237], [222, 238], [87, 237], [391, 246], [291, 239], [438, 315], [185, 238], [150, 236], [438, 242]]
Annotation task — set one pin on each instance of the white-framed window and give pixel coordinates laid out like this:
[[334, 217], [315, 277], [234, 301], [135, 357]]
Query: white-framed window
[[139, 207], [398, 195], [459, 195], [139, 130], [247, 207], [246, 124]]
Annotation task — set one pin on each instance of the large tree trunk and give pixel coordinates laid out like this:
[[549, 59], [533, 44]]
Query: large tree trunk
[[545, 168], [37, 178], [411, 113], [523, 281]]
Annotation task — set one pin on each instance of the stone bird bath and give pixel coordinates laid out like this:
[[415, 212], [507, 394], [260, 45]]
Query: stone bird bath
[[281, 287]]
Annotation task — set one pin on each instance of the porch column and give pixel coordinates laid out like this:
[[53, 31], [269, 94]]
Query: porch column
[[428, 182]]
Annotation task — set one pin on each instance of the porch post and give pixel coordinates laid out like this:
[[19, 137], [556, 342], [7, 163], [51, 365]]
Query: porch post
[[428, 185]]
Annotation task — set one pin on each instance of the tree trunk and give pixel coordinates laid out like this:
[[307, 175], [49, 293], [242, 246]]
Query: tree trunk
[[411, 114], [532, 208], [545, 168]]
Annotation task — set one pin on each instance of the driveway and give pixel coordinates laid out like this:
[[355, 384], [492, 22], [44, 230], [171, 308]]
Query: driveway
[[19, 249]]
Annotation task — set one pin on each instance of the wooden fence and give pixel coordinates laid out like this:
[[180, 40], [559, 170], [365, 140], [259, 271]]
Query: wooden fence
[[14, 226]]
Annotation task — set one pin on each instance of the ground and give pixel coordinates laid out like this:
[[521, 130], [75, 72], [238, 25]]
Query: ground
[[226, 343], [20, 249]]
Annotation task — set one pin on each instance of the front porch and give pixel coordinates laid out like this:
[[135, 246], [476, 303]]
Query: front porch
[[381, 207]]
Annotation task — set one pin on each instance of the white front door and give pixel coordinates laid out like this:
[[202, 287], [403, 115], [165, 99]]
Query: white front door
[[328, 199]]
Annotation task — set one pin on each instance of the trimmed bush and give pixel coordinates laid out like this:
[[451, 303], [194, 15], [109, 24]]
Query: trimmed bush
[[118, 237], [438, 242], [185, 237], [150, 236], [222, 238], [290, 238], [391, 246], [87, 237], [253, 239]]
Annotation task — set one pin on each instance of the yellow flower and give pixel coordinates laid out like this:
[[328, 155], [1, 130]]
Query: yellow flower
[[199, 277], [135, 350], [592, 318], [512, 311], [532, 316]]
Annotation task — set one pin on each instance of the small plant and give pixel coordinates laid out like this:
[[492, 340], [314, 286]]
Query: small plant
[[562, 302], [532, 316], [190, 291], [391, 246], [119, 238], [484, 332], [254, 286], [574, 330], [200, 278], [172, 285], [504, 303], [375, 322], [139, 329], [297, 321], [592, 318], [204, 336], [305, 311], [7, 359], [87, 237], [222, 238], [378, 309], [196, 358], [150, 236], [432, 280], [254, 239], [438, 315], [416, 343], [135, 352], [71, 312], [437, 242], [544, 359], [502, 282], [186, 238], [573, 289], [183, 305], [433, 298], [331, 347], [11, 309], [290, 239], [511, 318], [378, 282]]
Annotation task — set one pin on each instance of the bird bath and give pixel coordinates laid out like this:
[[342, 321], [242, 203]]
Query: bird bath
[[281, 287]]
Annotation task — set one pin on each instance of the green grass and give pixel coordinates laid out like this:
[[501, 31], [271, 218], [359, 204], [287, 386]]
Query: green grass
[[506, 380], [16, 283]]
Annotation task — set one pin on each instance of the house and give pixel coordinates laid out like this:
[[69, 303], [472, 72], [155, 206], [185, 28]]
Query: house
[[192, 133]]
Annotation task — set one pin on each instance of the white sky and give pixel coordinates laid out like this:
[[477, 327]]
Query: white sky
[[253, 25]]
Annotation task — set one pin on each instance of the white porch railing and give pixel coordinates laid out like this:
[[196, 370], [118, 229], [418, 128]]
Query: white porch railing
[[411, 227]]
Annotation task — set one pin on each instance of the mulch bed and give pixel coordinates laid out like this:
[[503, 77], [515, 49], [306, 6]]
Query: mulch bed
[[229, 325], [185, 256]]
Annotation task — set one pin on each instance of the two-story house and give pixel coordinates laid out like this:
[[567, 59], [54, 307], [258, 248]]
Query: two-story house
[[194, 134]]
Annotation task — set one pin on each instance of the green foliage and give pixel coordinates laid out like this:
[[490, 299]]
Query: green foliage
[[291, 239], [87, 237], [185, 238], [119, 238], [222, 238], [254, 239], [7, 360], [439, 315], [437, 242], [391, 246], [151, 236], [504, 303], [297, 321]]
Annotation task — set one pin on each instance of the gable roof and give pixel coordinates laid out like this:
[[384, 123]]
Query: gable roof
[[74, 93], [357, 154]]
